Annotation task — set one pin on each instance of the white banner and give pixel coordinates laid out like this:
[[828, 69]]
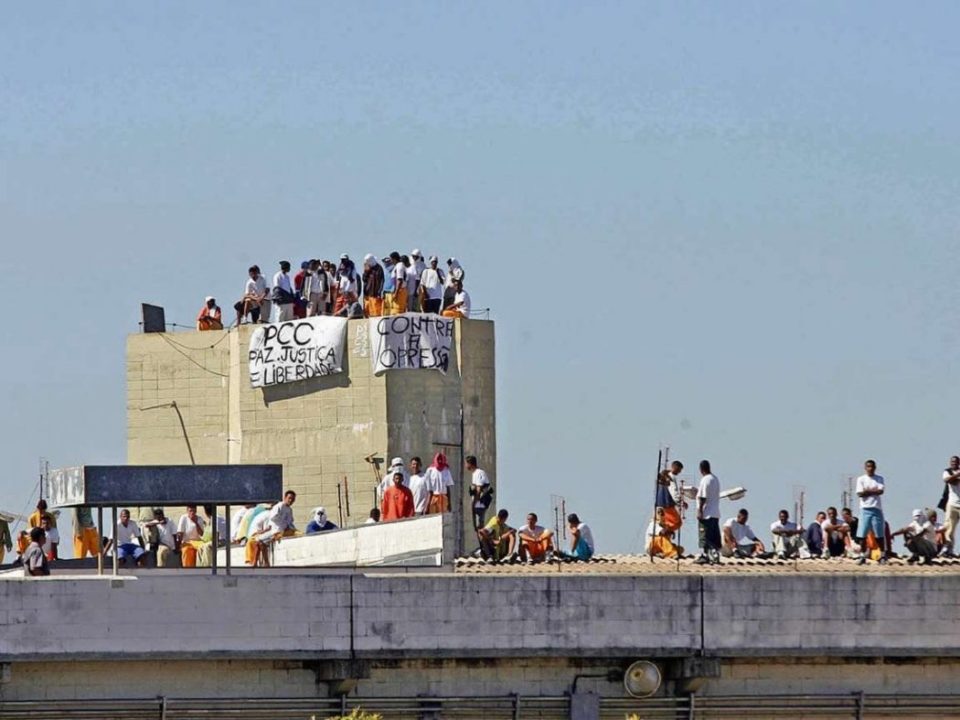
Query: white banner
[[297, 350], [411, 341]]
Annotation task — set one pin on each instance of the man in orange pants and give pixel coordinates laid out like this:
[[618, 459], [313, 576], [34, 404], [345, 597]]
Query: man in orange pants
[[86, 537]]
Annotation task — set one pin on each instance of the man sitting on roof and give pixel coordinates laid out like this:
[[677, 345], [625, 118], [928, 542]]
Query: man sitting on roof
[[190, 536], [787, 537], [320, 523], [920, 538], [460, 307], [536, 542], [660, 538], [497, 539], [166, 533], [836, 535], [209, 317], [581, 540], [739, 539], [813, 535], [123, 545]]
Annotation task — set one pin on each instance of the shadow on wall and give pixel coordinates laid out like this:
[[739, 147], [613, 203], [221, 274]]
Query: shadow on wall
[[288, 391]]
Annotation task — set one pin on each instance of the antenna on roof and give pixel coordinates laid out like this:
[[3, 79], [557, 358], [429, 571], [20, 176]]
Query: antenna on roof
[[44, 474], [799, 496], [558, 506]]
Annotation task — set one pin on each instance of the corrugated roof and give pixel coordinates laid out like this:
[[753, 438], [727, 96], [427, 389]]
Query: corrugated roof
[[642, 565]]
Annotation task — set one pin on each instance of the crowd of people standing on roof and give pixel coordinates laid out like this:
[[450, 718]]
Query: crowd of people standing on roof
[[831, 535], [391, 285]]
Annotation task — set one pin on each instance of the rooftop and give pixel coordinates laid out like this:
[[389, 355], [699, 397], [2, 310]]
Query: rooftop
[[642, 565]]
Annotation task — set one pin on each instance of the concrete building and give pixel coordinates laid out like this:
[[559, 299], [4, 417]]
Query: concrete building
[[470, 640], [189, 400]]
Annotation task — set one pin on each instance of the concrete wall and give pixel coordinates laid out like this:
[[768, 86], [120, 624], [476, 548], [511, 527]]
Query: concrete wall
[[285, 615], [419, 541], [319, 429]]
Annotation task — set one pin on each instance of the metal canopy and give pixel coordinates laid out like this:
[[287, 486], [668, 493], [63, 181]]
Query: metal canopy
[[156, 485]]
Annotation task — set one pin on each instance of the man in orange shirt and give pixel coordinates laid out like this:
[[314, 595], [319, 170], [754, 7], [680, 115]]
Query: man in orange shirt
[[210, 317], [397, 501]]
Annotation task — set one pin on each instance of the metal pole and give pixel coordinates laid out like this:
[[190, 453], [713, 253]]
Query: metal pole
[[227, 540], [861, 701], [116, 554], [216, 539], [100, 530], [656, 491]]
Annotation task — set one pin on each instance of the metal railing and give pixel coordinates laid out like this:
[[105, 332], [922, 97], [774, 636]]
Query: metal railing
[[857, 706]]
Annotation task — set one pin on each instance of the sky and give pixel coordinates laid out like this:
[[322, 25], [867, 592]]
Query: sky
[[729, 228]]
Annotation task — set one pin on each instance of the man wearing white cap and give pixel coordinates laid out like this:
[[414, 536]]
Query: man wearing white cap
[[396, 466], [417, 266], [920, 537], [431, 288], [209, 317]]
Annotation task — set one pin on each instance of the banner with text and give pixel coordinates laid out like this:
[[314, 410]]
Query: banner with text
[[411, 341], [299, 350]]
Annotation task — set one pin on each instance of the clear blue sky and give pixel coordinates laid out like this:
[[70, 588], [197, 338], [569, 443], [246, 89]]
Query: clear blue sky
[[730, 227]]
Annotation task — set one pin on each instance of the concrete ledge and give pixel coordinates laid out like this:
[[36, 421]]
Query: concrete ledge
[[425, 541]]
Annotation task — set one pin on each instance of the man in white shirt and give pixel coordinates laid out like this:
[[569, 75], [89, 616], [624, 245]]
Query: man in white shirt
[[581, 540], [460, 307], [536, 542], [316, 289], [256, 298], [256, 529], [739, 539], [836, 535], [481, 491], [189, 533], [283, 296], [129, 540], [166, 544], [417, 266], [51, 538], [920, 537], [787, 537], [418, 486], [395, 302], [870, 488], [708, 515], [396, 466], [281, 525], [439, 481], [431, 288], [951, 513]]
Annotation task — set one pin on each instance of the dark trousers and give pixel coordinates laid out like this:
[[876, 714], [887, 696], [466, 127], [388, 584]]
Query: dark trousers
[[710, 534], [432, 306]]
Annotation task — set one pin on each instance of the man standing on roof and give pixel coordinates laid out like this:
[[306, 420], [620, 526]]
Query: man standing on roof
[[316, 289], [373, 287], [397, 500], [6, 539], [396, 465], [870, 487], [210, 317], [395, 293], [431, 288], [348, 285], [86, 537], [283, 297], [439, 481], [417, 266], [34, 519], [281, 526], [299, 285], [708, 515], [418, 486], [951, 509], [413, 282], [481, 492]]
